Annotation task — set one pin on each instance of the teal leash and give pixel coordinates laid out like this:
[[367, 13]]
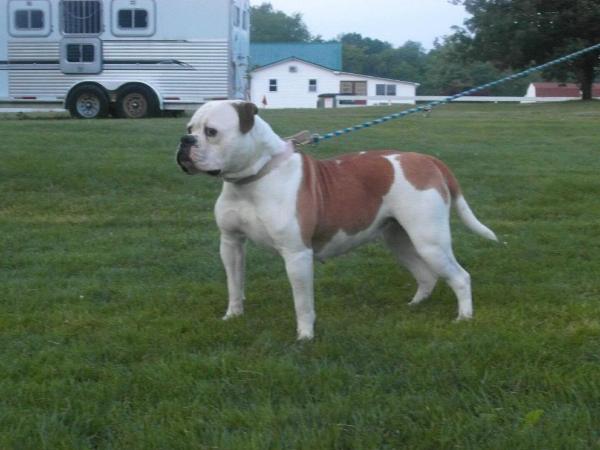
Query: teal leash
[[316, 138]]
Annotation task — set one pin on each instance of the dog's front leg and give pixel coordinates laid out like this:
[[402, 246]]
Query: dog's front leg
[[233, 255], [299, 268]]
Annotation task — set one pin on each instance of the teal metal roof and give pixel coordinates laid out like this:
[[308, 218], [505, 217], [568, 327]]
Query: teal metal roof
[[324, 54]]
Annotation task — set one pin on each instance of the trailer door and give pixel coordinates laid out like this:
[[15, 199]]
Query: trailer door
[[81, 47], [81, 55]]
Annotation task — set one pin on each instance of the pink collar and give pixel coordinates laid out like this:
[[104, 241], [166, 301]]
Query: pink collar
[[270, 166]]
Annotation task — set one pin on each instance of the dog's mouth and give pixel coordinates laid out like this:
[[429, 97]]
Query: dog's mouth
[[187, 164], [191, 170], [188, 168]]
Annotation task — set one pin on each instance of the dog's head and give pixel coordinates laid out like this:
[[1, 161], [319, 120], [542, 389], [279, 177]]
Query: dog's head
[[219, 139]]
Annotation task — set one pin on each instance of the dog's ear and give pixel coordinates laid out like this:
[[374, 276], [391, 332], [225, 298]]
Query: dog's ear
[[246, 112]]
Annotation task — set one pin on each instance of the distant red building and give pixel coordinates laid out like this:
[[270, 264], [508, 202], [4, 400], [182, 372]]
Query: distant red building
[[559, 90]]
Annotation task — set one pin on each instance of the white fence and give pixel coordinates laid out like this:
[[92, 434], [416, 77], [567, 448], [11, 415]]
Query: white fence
[[358, 100]]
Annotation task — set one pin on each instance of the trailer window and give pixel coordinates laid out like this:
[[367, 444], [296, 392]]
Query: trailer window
[[29, 19], [133, 18], [236, 16], [80, 53], [245, 20], [81, 16]]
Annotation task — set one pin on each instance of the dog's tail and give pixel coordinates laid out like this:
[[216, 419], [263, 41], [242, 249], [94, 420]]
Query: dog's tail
[[469, 219], [461, 205]]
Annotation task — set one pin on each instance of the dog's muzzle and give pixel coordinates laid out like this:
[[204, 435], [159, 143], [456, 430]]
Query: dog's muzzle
[[183, 154], [184, 159]]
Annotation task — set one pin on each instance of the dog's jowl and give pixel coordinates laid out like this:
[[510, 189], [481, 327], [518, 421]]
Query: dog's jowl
[[309, 209]]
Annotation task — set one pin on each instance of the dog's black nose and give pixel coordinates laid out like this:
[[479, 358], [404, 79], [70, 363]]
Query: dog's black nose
[[188, 139]]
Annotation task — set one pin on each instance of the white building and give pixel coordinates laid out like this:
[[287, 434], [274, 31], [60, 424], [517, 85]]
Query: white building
[[131, 56], [295, 83]]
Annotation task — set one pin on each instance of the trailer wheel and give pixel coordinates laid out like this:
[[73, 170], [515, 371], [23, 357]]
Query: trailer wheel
[[88, 102], [136, 102]]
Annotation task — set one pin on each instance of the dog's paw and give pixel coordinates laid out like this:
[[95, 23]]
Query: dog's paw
[[304, 336], [232, 314], [423, 293], [463, 318]]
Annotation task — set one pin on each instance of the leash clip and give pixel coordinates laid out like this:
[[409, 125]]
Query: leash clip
[[301, 138]]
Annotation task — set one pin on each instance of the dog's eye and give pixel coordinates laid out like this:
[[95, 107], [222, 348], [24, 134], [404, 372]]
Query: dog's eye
[[189, 129], [210, 132]]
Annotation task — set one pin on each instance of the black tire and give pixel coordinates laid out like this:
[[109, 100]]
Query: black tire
[[88, 102], [136, 102]]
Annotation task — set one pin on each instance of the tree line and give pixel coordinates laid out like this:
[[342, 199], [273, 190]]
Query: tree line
[[500, 37]]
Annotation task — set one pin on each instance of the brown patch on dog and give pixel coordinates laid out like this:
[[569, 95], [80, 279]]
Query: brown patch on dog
[[426, 172], [246, 112], [344, 194]]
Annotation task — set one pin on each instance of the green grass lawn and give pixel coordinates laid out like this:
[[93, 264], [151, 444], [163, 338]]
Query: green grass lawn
[[112, 290]]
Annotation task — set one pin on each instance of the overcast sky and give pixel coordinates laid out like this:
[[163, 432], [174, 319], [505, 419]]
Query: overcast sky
[[395, 21]]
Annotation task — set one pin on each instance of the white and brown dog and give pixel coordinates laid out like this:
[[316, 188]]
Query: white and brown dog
[[306, 209]]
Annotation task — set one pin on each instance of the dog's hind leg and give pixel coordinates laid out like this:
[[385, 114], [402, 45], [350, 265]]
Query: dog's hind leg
[[425, 217], [429, 230], [440, 258], [403, 249]]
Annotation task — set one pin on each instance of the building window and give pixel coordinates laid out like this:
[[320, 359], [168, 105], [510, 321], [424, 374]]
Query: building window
[[80, 53], [81, 16], [353, 87], [385, 89], [133, 18], [312, 85], [272, 85], [29, 19]]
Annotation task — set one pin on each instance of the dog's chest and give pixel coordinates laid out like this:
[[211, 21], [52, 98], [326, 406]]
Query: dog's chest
[[264, 212], [242, 217]]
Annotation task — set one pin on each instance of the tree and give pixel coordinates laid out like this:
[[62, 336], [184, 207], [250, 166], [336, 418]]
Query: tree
[[515, 34], [369, 56], [407, 62], [269, 25], [359, 54], [369, 46], [452, 67]]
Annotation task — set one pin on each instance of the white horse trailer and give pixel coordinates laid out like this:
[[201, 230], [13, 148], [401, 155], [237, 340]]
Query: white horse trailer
[[131, 58]]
